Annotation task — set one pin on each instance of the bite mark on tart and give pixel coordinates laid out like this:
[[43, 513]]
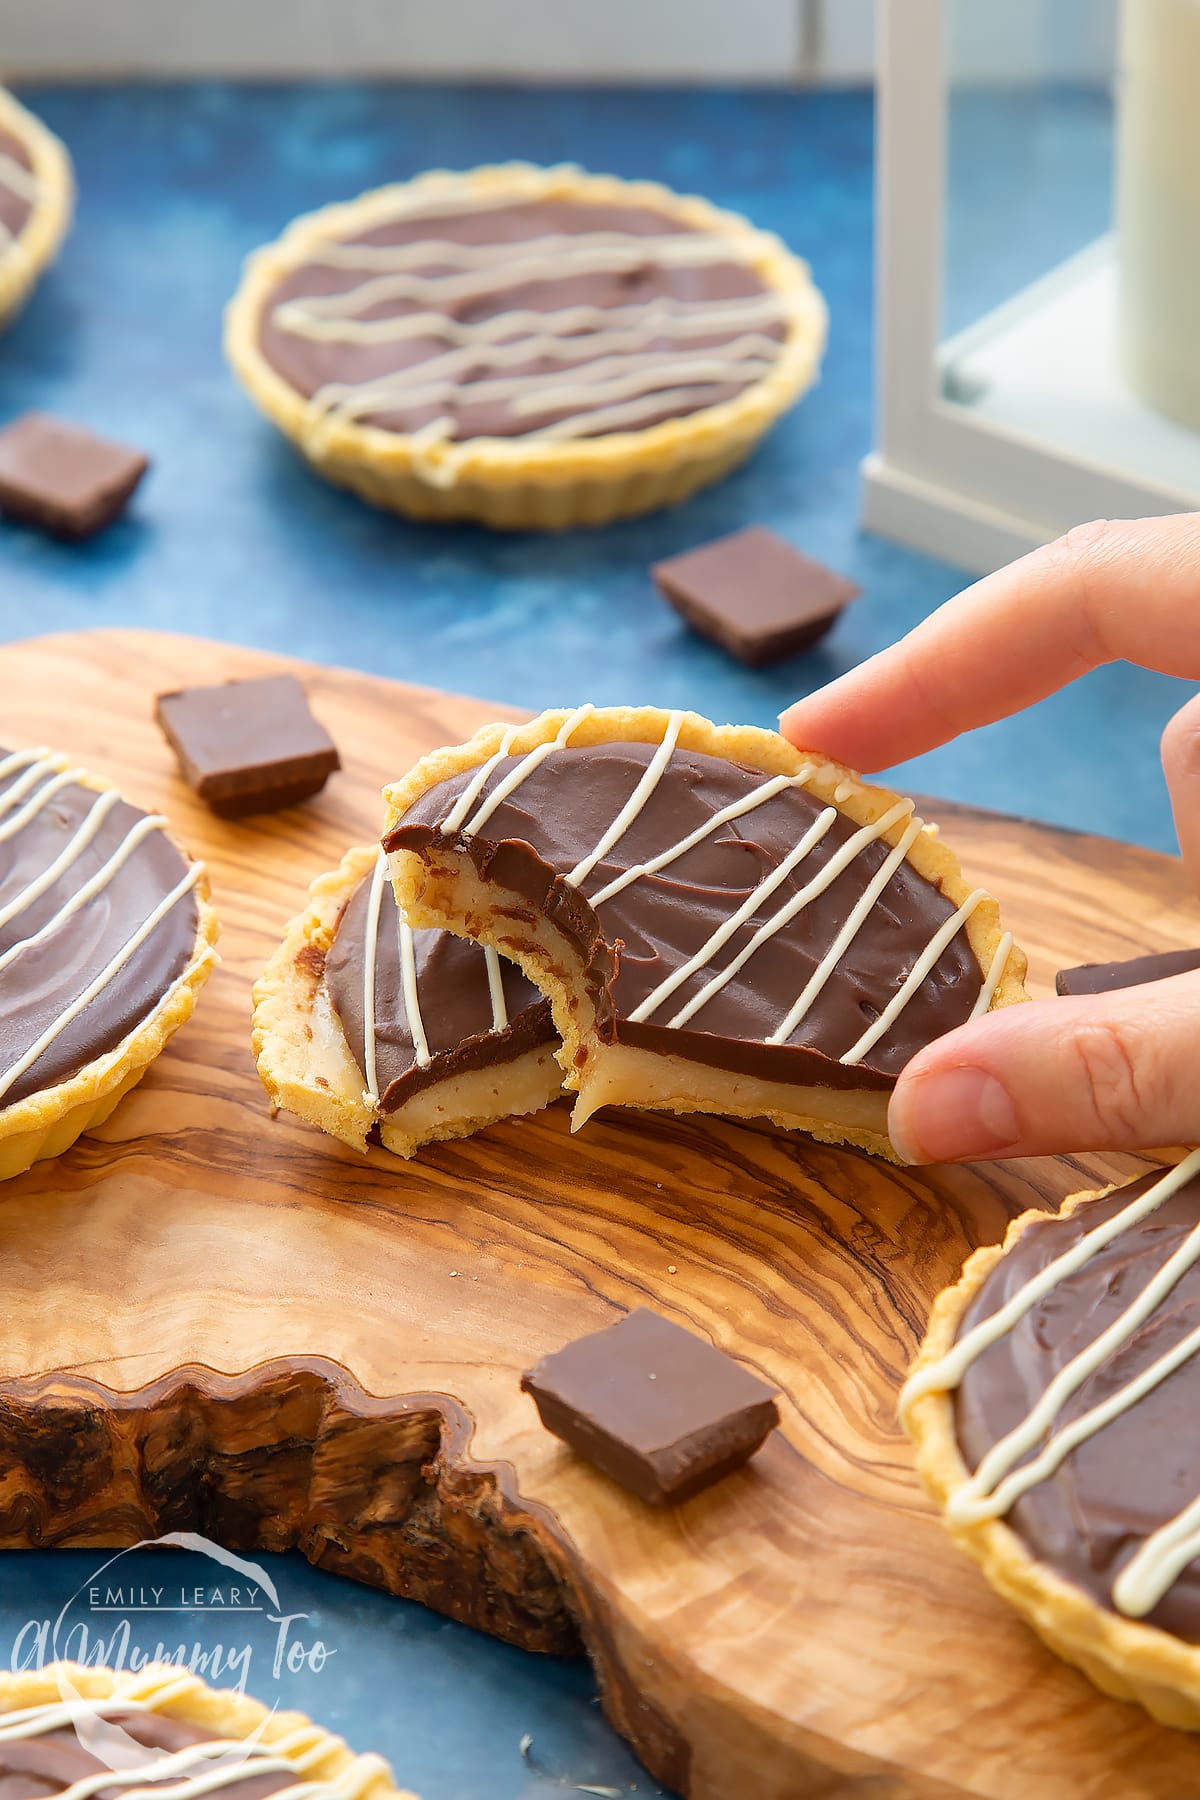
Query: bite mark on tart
[[1053, 1410], [721, 923], [362, 1025], [106, 937]]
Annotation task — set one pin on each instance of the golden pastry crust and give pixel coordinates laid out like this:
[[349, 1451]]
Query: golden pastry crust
[[417, 892], [1122, 1656], [523, 484], [221, 1710], [37, 243], [307, 1067], [46, 1123]]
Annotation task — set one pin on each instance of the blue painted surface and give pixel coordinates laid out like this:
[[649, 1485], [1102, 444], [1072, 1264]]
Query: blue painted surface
[[447, 1706], [232, 537]]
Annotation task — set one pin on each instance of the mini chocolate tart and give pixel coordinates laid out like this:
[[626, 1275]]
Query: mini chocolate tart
[[532, 348], [36, 195], [163, 1729], [1053, 1407], [106, 938], [721, 923], [362, 1025]]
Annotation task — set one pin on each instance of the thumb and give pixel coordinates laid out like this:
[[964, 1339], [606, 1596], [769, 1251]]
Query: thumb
[[1112, 1072]]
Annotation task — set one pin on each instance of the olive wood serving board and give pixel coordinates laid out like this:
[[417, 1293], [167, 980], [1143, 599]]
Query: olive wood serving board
[[219, 1321]]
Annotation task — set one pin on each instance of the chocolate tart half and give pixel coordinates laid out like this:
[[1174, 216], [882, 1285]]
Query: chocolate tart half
[[364, 1027], [36, 194], [106, 938], [165, 1730], [721, 923], [531, 348], [1053, 1407]]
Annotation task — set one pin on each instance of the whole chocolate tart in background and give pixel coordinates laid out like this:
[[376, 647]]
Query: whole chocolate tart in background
[[722, 923], [65, 1724], [106, 937], [369, 1029], [531, 348], [1053, 1407], [36, 195]]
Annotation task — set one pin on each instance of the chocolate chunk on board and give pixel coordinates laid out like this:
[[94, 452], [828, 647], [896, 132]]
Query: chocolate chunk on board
[[62, 478], [656, 1408], [1104, 978], [248, 746], [754, 594]]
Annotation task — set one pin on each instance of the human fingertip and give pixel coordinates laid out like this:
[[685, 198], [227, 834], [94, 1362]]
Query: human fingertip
[[952, 1115]]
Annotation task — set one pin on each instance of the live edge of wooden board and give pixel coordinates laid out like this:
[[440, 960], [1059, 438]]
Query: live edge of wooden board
[[219, 1321]]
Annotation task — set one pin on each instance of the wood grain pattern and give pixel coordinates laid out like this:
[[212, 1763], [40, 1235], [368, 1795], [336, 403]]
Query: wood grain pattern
[[804, 1628]]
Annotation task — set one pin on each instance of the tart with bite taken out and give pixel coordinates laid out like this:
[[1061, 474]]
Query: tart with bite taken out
[[720, 922]]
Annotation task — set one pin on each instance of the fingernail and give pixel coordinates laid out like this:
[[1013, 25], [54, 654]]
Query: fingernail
[[948, 1115]]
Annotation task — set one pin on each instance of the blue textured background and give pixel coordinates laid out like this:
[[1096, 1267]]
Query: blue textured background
[[231, 537]]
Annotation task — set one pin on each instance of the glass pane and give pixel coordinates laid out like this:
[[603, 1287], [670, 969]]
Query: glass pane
[[1066, 117]]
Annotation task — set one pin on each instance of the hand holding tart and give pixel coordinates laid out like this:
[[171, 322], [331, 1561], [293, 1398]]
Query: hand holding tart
[[531, 348], [721, 923], [106, 938]]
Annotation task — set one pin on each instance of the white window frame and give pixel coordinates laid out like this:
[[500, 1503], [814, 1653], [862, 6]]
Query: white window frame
[[942, 479]]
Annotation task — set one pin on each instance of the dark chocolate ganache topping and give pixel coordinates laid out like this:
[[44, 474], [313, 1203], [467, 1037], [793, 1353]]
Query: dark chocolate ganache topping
[[98, 921], [758, 947], [508, 317], [1127, 1479], [50, 1761], [473, 1009], [18, 188]]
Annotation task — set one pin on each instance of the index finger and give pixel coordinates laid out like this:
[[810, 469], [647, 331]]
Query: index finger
[[1105, 591]]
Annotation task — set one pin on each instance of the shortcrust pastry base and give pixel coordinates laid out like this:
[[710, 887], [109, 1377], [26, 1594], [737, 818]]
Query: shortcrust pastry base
[[307, 1067], [441, 886]]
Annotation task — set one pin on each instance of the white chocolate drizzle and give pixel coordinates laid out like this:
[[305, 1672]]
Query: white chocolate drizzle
[[412, 999], [370, 949], [182, 1774], [475, 806], [1003, 1475], [25, 185], [20, 804], [618, 372]]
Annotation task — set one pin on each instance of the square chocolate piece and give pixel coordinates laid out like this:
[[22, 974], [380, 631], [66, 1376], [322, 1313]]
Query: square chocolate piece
[[62, 478], [658, 1409], [1105, 978], [754, 594], [248, 746]]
